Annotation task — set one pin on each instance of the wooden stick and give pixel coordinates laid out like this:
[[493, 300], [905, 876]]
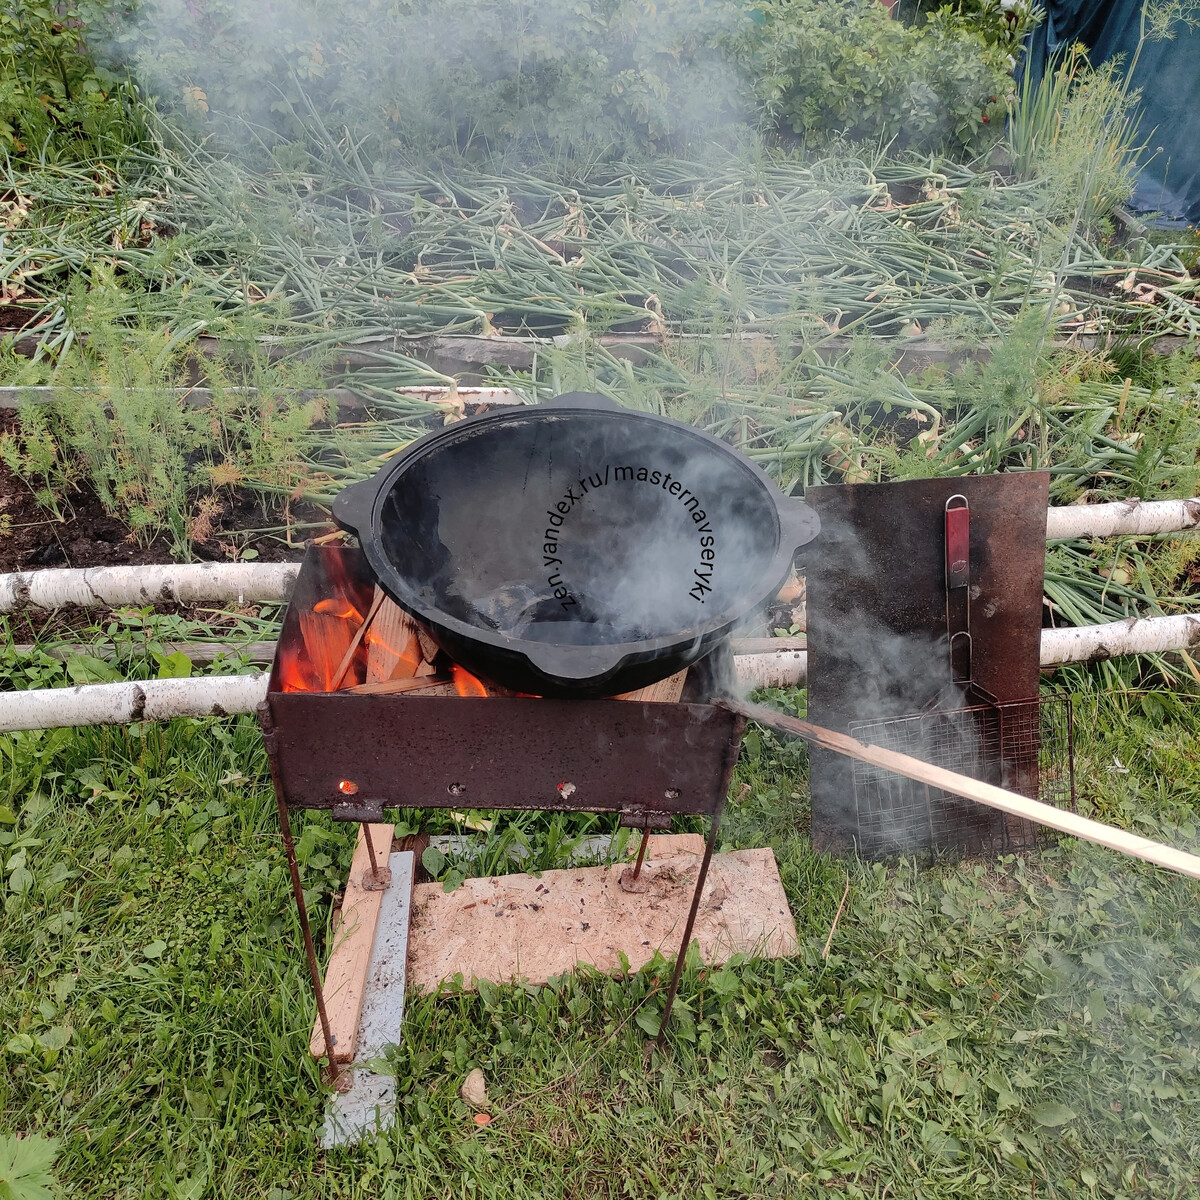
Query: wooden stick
[[392, 687], [837, 916], [974, 789], [356, 641], [346, 974]]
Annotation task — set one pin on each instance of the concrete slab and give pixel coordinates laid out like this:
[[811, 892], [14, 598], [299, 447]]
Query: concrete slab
[[369, 1107]]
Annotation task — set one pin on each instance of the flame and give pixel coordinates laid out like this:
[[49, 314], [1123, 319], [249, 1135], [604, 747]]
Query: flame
[[292, 675], [465, 684], [340, 607], [327, 630]]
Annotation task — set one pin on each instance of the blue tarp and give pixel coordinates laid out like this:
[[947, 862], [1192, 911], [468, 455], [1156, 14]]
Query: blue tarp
[[1168, 74]]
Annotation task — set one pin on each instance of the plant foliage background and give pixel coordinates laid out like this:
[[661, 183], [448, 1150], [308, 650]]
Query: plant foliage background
[[402, 76]]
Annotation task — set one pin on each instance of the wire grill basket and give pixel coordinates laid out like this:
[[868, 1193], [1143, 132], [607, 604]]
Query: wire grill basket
[[1026, 746]]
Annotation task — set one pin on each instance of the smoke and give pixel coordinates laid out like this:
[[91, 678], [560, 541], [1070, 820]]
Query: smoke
[[880, 668], [370, 79]]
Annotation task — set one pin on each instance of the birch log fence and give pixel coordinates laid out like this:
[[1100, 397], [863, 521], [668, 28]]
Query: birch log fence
[[783, 664], [271, 583]]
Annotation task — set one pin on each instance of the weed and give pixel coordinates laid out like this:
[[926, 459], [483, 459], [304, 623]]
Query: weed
[[25, 1167], [35, 458], [1074, 129]]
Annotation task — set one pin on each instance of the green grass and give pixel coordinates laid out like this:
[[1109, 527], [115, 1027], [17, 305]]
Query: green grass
[[1027, 1026]]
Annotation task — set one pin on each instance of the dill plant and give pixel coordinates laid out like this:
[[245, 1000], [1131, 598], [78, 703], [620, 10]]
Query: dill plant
[[123, 423]]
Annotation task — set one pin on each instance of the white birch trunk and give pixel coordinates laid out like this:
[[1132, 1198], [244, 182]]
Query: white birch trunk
[[1078, 644], [264, 583], [111, 587], [1126, 518], [786, 668], [1093, 643], [124, 703], [161, 699]]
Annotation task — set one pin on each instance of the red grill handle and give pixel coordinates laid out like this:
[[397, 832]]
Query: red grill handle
[[958, 543]]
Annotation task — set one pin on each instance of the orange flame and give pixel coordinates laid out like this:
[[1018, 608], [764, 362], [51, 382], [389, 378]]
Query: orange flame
[[327, 630], [465, 684], [340, 607]]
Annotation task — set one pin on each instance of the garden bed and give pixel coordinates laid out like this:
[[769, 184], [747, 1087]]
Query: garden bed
[[90, 537]]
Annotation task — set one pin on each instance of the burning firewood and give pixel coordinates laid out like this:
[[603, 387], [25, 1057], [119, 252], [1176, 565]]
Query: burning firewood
[[426, 685], [327, 636], [429, 647], [393, 648], [356, 641], [393, 655]]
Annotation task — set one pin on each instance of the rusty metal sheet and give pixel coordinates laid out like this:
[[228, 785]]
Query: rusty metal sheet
[[877, 610], [497, 752]]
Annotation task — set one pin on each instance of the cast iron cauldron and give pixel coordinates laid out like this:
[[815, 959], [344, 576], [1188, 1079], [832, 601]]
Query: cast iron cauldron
[[575, 548]]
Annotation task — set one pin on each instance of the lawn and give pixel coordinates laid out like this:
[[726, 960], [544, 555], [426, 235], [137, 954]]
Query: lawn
[[1003, 1028]]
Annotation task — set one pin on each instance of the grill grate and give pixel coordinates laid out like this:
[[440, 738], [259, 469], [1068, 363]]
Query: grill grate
[[1026, 746]]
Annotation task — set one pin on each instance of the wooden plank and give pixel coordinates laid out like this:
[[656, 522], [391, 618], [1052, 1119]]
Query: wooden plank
[[665, 691], [973, 789], [670, 845], [346, 974], [393, 651], [533, 928]]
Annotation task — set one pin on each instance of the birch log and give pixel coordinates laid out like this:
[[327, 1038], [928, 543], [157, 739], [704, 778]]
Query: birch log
[[1094, 643], [267, 583], [124, 703], [788, 667], [1127, 518], [111, 587], [52, 707]]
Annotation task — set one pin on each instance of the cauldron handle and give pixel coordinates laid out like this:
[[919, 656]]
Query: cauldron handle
[[353, 506], [798, 525], [566, 663]]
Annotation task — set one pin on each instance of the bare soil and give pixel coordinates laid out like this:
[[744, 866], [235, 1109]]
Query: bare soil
[[16, 316], [30, 537]]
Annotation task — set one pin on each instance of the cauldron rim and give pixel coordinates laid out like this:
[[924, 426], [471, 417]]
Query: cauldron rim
[[359, 510]]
